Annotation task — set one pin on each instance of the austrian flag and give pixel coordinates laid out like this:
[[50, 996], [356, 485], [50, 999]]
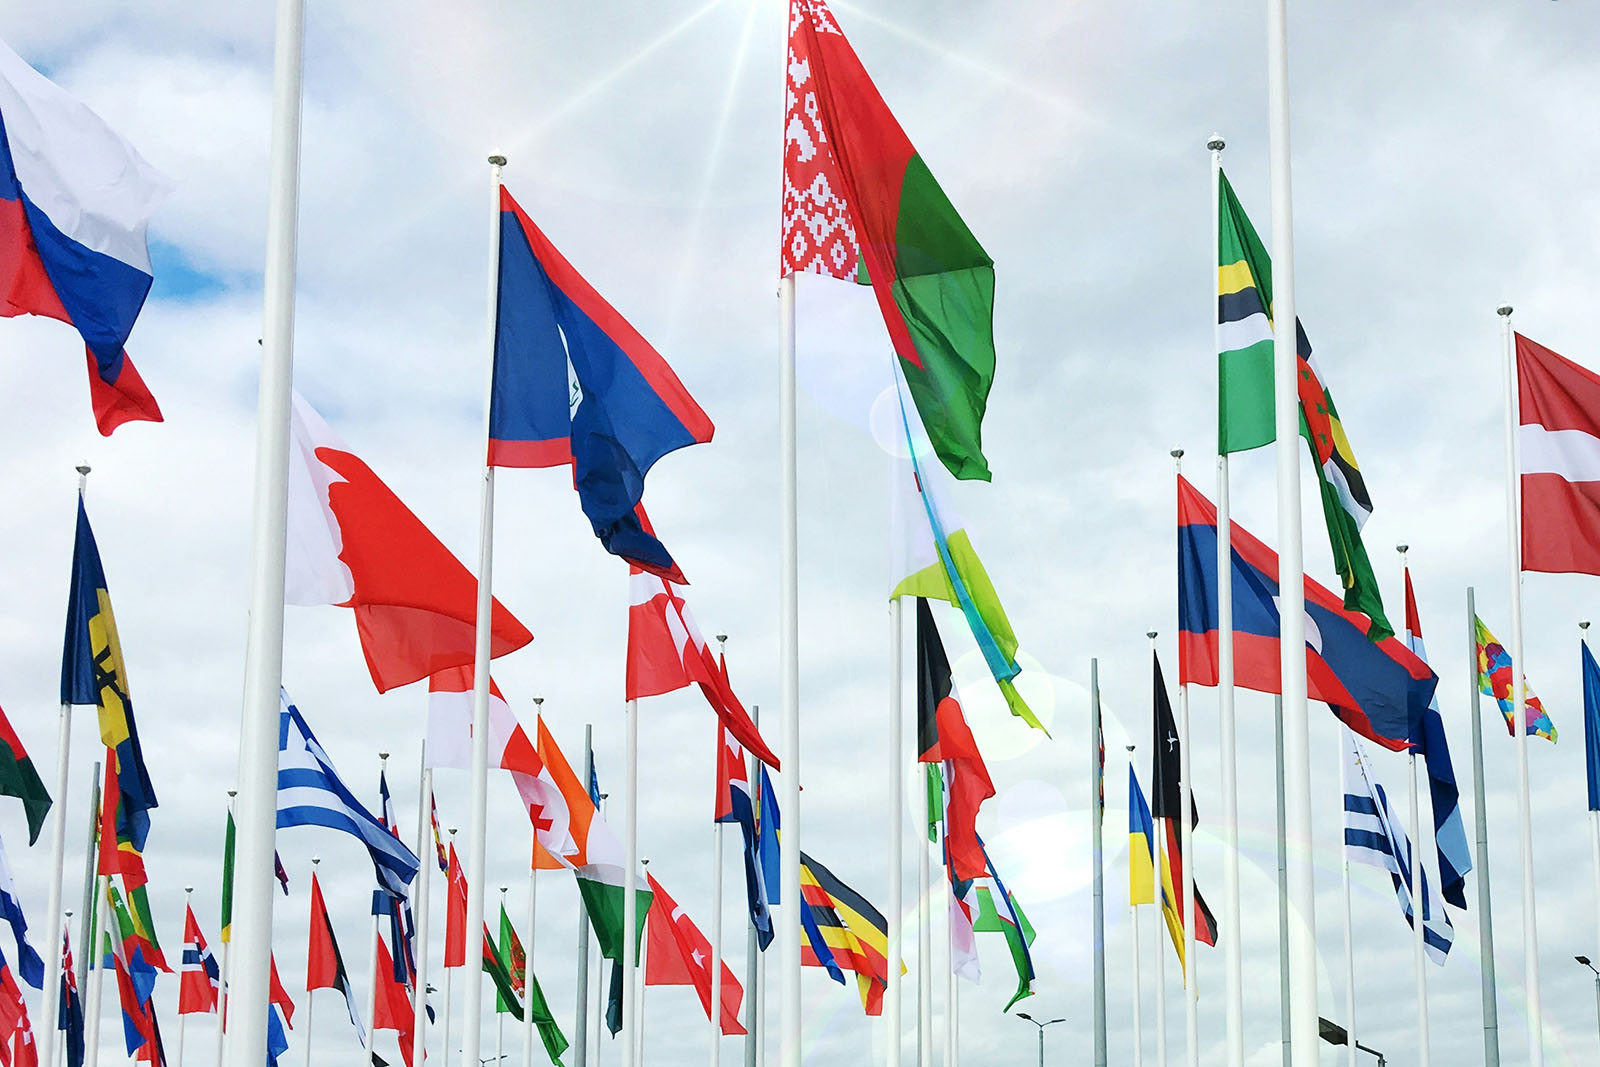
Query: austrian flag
[[1559, 444]]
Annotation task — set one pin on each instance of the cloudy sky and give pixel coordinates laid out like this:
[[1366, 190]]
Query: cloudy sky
[[1444, 160]]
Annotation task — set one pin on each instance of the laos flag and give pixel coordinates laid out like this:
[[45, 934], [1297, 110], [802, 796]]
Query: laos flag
[[575, 384], [74, 202], [1371, 686]]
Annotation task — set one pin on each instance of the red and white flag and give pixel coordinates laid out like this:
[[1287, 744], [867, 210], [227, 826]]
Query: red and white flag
[[679, 954], [1559, 443], [198, 984]]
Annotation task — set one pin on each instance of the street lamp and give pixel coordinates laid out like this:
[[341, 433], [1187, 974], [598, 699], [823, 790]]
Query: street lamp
[[1041, 1026], [1585, 961], [1334, 1034]]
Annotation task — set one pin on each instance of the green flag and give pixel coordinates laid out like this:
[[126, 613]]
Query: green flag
[[1018, 935], [227, 882], [516, 962], [494, 965]]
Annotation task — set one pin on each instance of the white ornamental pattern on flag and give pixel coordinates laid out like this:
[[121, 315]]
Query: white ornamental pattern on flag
[[818, 235]]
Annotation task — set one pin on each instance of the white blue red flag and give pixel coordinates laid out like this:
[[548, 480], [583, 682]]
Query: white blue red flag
[[200, 978], [735, 804], [28, 961]]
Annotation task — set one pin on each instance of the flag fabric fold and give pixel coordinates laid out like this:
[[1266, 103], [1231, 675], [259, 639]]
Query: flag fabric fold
[[679, 954], [1166, 776], [734, 803], [17, 1048], [853, 931], [1494, 680], [325, 963], [943, 737], [1558, 449], [19, 778], [200, 978], [28, 961], [69, 1015], [1141, 845], [1007, 919], [1591, 726]]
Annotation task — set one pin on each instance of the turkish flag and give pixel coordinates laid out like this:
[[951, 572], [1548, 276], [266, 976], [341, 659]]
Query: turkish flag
[[679, 954]]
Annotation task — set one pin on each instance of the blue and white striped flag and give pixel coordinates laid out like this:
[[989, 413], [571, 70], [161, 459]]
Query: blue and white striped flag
[[310, 793], [1371, 837]]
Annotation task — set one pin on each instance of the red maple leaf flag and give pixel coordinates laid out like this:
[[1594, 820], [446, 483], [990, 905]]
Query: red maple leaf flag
[[1559, 447], [355, 544], [679, 954]]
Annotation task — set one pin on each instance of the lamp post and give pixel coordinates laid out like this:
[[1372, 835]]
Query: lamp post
[[1041, 1026], [1334, 1034], [1585, 961]]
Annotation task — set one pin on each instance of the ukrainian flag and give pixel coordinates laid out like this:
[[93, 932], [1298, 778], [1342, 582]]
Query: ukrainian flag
[[1141, 845]]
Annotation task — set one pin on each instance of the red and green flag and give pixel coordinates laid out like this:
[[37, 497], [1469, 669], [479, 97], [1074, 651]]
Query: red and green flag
[[19, 778], [860, 204]]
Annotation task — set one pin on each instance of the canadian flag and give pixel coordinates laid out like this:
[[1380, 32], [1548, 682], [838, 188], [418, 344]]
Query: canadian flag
[[679, 954], [353, 543], [1559, 443]]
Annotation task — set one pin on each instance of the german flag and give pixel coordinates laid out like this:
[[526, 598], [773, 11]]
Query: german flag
[[854, 934]]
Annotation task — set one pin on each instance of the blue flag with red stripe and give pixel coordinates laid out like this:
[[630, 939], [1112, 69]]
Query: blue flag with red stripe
[[575, 384]]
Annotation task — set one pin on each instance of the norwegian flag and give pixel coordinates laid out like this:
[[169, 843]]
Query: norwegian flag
[[679, 954], [666, 652], [201, 978]]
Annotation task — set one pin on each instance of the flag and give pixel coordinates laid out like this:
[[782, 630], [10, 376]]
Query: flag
[[119, 852], [438, 838], [310, 793], [495, 966], [226, 933], [855, 933], [200, 978], [17, 1047], [933, 557], [1494, 680], [75, 199], [679, 954], [1011, 923], [508, 978], [136, 933], [598, 860], [1245, 395], [69, 1015], [666, 652], [277, 1039], [1559, 448], [136, 980], [402, 924], [1369, 685], [1449, 834], [19, 778], [1591, 725], [1166, 804], [393, 1010], [1141, 845], [455, 916], [1371, 837], [769, 831], [28, 961], [631, 409], [860, 204], [964, 961], [944, 737], [353, 543], [515, 958], [93, 673], [735, 804], [324, 962]]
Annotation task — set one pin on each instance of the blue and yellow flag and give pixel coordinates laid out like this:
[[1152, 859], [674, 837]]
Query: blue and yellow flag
[[92, 673], [1141, 845]]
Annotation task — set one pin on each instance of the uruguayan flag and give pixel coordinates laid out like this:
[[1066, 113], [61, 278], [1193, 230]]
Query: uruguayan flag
[[1371, 837], [311, 794]]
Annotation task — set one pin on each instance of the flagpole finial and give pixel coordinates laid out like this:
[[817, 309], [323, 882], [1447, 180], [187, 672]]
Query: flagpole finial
[[383, 757], [1151, 634], [1584, 626], [1402, 549], [452, 831], [1216, 144], [188, 889], [1504, 310], [68, 913], [1128, 747], [497, 161], [315, 860], [232, 793], [83, 468], [503, 890], [1176, 453]]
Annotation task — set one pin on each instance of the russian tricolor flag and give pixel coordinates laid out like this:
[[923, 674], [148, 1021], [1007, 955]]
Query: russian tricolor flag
[[75, 199]]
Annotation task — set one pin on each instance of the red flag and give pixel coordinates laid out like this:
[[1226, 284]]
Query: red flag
[[666, 653], [679, 954], [355, 544], [944, 737], [393, 1008], [16, 1034], [115, 857], [199, 981], [280, 996], [1559, 448], [455, 916]]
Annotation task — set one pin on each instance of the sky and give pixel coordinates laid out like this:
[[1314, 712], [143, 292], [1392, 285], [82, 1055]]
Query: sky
[[1443, 164]]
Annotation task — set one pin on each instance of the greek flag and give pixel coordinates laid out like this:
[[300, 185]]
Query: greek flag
[[311, 794], [1371, 837]]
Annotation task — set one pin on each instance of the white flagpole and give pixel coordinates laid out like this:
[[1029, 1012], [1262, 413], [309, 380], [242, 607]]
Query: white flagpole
[[246, 1044], [1191, 1005], [951, 999], [897, 789], [310, 1000], [529, 1036], [1530, 923], [716, 888], [635, 1034], [223, 973], [90, 865], [630, 903], [91, 1020], [500, 1016], [425, 853], [448, 1001], [1283, 886], [1097, 827], [478, 804], [58, 861], [789, 682], [1480, 817], [1594, 816], [1349, 934], [1291, 562], [372, 988], [1138, 983], [1419, 900], [580, 1029], [1161, 956], [924, 938], [188, 895], [755, 1047]]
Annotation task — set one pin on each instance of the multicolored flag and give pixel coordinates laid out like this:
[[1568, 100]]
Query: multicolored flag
[[1558, 405], [1141, 845], [17, 1047], [75, 199], [19, 778], [438, 838], [69, 1017], [1591, 726], [324, 962], [679, 954], [769, 833], [1007, 919], [1245, 394], [499, 972], [136, 933], [515, 958], [1494, 680], [860, 204], [28, 961], [1166, 804], [854, 932], [734, 803], [200, 979], [943, 737]]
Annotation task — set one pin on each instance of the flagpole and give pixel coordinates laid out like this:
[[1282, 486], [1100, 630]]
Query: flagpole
[[310, 1000], [528, 1035], [630, 903], [1096, 796], [58, 864], [1161, 956], [419, 1017], [948, 897], [1419, 901], [716, 886], [1594, 816], [897, 788], [372, 987], [500, 1016], [448, 1001], [1349, 933], [789, 679], [1283, 885], [1138, 983], [223, 963], [1191, 1005], [256, 824], [1291, 562], [580, 1029], [89, 866], [1530, 922], [636, 1033], [91, 1025], [924, 942], [183, 1019], [1480, 816], [752, 950]]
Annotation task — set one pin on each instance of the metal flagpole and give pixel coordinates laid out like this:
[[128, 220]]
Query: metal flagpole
[[448, 1000], [311, 1000], [183, 1019], [752, 950], [1096, 794], [897, 788], [1594, 816], [91, 1025], [529, 1036], [949, 972], [715, 1010], [263, 662], [500, 1016], [90, 864], [1291, 562], [478, 803], [419, 1018], [1138, 983], [1283, 885], [1419, 900], [1161, 956], [1530, 923], [223, 971], [58, 862], [1191, 1004], [630, 903], [372, 989], [1480, 816], [924, 941], [789, 682], [1349, 934], [580, 1029], [635, 1034]]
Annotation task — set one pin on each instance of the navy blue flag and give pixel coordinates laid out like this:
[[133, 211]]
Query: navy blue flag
[[734, 805], [768, 830], [1449, 833], [1591, 725]]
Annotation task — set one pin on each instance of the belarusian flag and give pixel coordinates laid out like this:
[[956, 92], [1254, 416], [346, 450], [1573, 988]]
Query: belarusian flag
[[516, 960], [860, 204], [494, 965], [1245, 402], [19, 779], [598, 861]]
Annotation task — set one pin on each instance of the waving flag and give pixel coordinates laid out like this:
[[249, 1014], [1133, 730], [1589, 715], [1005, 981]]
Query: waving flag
[[735, 804], [679, 954], [438, 838], [75, 199], [1591, 726], [200, 978], [310, 793], [69, 1017], [393, 1010], [516, 960], [769, 831], [354, 544], [1558, 440], [136, 933], [1007, 919], [1166, 805], [402, 924], [1494, 680], [631, 408], [860, 204], [1369, 685], [28, 960], [455, 915], [1371, 837], [853, 931], [19, 778], [1141, 845], [499, 972], [943, 737], [17, 1047], [324, 962]]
